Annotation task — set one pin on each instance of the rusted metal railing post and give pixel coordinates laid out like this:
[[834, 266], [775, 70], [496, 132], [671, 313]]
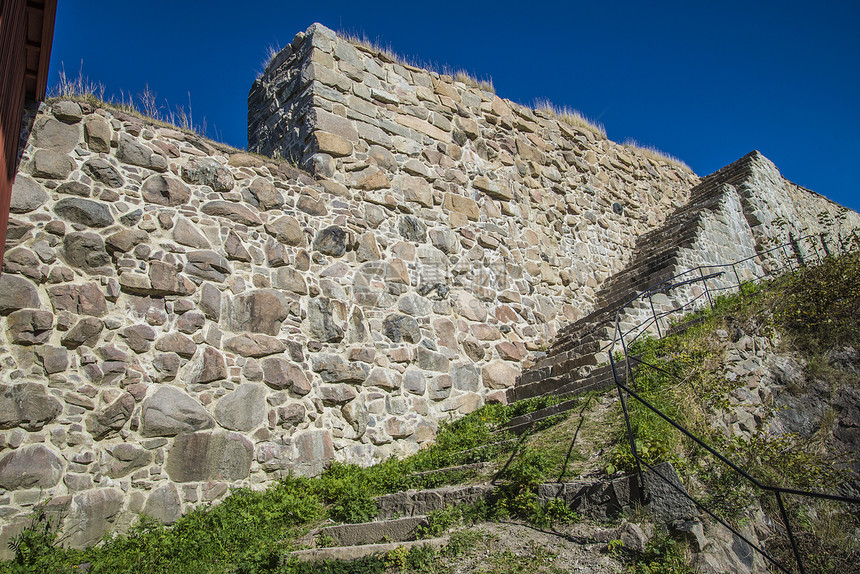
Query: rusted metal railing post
[[738, 277], [654, 314], [788, 529], [707, 291]]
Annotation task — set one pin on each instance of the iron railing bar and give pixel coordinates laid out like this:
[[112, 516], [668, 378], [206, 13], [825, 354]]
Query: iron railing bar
[[732, 465], [659, 287], [714, 516], [655, 367], [787, 522], [682, 307], [624, 402], [758, 254], [687, 282]]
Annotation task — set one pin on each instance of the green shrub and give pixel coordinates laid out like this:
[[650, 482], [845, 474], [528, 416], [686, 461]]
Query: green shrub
[[661, 556], [35, 544]]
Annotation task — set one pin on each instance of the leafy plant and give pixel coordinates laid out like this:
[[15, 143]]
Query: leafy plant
[[662, 555], [34, 545]]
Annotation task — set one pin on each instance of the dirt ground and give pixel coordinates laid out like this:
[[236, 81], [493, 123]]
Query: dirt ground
[[509, 547]]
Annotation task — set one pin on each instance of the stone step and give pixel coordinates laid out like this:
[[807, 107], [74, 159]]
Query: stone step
[[423, 502], [597, 499], [642, 279], [652, 259], [570, 365], [347, 553], [585, 333], [417, 503], [527, 377], [565, 367], [569, 349], [547, 385], [569, 345], [570, 384], [594, 498], [645, 278], [395, 530], [522, 423], [543, 386], [600, 379]]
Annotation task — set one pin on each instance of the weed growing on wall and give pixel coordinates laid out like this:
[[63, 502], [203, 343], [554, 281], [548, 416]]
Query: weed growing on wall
[[655, 154], [145, 105], [571, 117]]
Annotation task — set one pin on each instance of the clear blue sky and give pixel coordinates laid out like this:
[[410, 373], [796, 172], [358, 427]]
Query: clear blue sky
[[704, 81]]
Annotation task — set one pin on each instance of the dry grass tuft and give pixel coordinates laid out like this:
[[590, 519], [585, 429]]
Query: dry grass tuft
[[386, 54], [144, 106], [571, 117], [470, 80], [655, 154], [272, 51]]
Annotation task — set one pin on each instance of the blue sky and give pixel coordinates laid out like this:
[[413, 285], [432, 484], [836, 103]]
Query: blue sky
[[706, 82]]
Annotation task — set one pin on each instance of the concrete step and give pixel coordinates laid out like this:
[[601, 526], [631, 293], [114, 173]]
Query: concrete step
[[379, 531], [355, 552], [423, 502], [522, 423]]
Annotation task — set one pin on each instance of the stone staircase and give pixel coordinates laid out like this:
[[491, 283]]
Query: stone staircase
[[403, 518], [575, 363], [403, 514]]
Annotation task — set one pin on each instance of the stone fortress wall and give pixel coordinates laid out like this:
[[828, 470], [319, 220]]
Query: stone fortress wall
[[178, 318]]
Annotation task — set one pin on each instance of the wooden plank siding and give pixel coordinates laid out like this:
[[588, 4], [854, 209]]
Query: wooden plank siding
[[26, 34]]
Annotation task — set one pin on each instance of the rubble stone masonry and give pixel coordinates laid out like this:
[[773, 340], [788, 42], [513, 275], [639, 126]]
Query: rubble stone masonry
[[178, 318]]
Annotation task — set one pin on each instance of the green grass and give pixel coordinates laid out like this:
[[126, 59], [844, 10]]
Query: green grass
[[662, 555]]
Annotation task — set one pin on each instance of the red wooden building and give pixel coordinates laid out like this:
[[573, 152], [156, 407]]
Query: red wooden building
[[26, 32]]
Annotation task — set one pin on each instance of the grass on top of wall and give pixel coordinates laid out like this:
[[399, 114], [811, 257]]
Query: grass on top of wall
[[571, 117], [655, 154], [387, 54], [145, 107]]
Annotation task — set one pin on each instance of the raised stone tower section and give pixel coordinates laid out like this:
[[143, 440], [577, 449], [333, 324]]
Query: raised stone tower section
[[542, 197]]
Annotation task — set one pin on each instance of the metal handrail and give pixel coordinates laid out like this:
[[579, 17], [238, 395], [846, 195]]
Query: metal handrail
[[624, 390]]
